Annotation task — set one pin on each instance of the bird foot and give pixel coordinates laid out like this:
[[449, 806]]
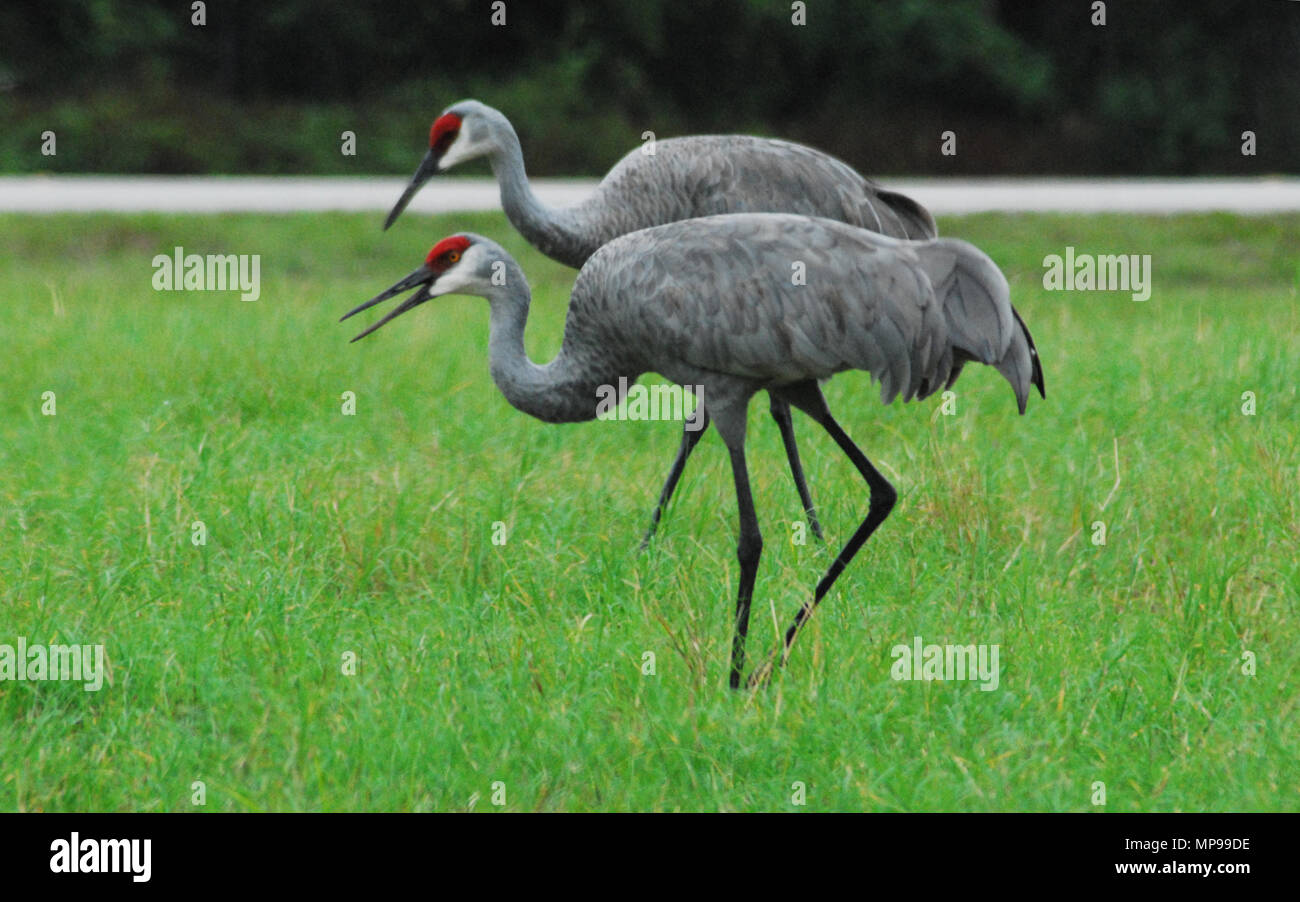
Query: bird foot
[[651, 531], [762, 674], [816, 527]]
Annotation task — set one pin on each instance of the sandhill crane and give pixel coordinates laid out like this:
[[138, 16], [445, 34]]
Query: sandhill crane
[[684, 178], [709, 302]]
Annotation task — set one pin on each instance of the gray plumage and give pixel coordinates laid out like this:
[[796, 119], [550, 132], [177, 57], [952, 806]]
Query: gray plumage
[[717, 296], [713, 302], [708, 175], [685, 178]]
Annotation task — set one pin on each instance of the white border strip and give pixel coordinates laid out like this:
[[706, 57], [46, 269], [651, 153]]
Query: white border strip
[[943, 196]]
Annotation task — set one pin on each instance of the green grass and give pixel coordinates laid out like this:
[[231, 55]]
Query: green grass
[[371, 534]]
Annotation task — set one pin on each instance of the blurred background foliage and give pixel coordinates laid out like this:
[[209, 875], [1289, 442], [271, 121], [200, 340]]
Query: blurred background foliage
[[1165, 87]]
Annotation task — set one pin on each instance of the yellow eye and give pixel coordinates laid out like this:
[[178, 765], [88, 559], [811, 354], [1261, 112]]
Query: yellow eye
[[453, 256]]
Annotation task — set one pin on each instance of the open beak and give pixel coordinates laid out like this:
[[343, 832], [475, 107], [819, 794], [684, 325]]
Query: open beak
[[428, 169], [423, 278]]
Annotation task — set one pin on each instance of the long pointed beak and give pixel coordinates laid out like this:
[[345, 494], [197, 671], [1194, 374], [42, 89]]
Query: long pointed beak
[[422, 277], [428, 168]]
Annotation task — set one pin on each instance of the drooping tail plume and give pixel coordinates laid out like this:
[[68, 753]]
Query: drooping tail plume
[[982, 324], [915, 218]]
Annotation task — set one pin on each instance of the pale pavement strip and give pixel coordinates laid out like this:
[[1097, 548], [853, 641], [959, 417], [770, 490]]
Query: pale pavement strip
[[943, 196]]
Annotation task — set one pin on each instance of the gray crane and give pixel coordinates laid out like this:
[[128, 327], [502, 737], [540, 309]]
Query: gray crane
[[709, 302], [684, 178]]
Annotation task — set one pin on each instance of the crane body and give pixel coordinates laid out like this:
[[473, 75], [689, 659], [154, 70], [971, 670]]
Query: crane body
[[667, 181], [709, 302]]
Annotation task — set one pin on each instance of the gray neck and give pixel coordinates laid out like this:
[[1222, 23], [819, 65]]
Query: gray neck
[[556, 233], [562, 391]]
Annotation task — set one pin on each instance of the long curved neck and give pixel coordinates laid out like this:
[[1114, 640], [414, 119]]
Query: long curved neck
[[562, 391], [553, 232]]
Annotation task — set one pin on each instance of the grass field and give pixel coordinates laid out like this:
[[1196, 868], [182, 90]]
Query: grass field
[[521, 664]]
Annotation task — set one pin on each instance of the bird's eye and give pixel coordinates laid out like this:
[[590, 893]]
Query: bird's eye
[[453, 256]]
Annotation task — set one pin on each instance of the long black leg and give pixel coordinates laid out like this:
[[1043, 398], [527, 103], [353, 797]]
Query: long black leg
[[809, 399], [781, 413], [883, 497], [749, 548], [690, 438]]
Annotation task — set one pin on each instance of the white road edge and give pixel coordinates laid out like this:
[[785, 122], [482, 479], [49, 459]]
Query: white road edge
[[943, 196]]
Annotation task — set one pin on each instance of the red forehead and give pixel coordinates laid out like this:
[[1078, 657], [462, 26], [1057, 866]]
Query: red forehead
[[449, 122], [454, 243]]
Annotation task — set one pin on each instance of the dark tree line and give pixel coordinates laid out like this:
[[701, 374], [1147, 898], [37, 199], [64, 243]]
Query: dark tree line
[[1165, 86]]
